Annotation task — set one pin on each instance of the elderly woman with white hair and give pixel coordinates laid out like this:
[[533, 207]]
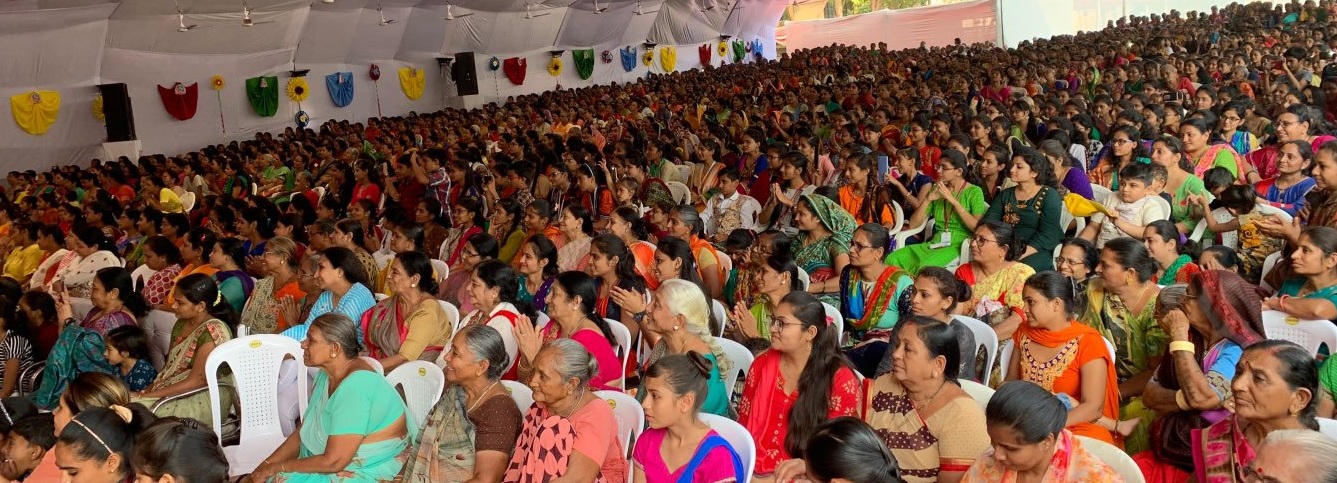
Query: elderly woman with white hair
[[567, 423], [1292, 456], [680, 318]]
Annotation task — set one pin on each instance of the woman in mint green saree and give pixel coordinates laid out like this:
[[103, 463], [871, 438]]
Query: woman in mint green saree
[[356, 427]]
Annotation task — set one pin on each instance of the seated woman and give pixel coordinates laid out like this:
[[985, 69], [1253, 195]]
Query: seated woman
[[329, 444], [537, 267], [1032, 208], [622, 291], [1254, 244], [568, 422], [995, 278], [1174, 255], [823, 245], [455, 288], [181, 449], [1292, 183], [165, 259], [871, 297], [675, 388], [404, 237], [196, 248], [263, 313], [1219, 315], [1274, 389], [628, 225], [936, 293], [229, 257], [493, 289], [955, 206], [802, 380], [1218, 257], [506, 228], [77, 351], [1313, 294], [685, 223], [343, 287], [471, 432], [847, 449], [96, 444], [1077, 259], [679, 317], [778, 277], [115, 302], [571, 306], [409, 325], [95, 252], [1121, 305], [89, 390], [1024, 418], [1065, 357], [351, 234], [934, 429], [577, 232], [204, 321], [673, 260]]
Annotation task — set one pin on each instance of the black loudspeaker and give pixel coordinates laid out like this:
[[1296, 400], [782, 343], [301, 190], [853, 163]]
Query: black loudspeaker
[[465, 73], [120, 115]]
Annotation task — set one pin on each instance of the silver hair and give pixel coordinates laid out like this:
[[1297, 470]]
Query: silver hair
[[339, 329], [685, 298], [692, 218], [1306, 447], [486, 345], [1172, 297], [572, 360]]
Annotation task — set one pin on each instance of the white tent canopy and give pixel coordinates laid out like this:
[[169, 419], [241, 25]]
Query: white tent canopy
[[70, 46]]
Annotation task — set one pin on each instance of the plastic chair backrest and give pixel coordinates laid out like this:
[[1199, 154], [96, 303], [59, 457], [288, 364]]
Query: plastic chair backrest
[[452, 316], [1005, 357], [375, 364], [141, 276], [1099, 193], [979, 392], [623, 337], [1269, 264], [725, 261], [740, 361], [903, 235], [422, 383], [984, 336], [1309, 334], [738, 437], [629, 415], [837, 321], [255, 362], [380, 296], [721, 317], [187, 201], [442, 270], [522, 394], [803, 279], [542, 320], [1114, 353], [1115, 457], [158, 326], [680, 192], [81, 306], [1328, 427]]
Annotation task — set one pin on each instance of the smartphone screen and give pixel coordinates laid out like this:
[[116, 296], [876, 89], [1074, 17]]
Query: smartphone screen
[[883, 166]]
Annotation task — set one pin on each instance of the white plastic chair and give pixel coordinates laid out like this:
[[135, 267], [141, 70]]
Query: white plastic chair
[[452, 316], [903, 235], [630, 418], [320, 193], [81, 306], [522, 394], [1099, 193], [542, 320], [383, 257], [375, 364], [837, 321], [979, 392], [900, 220], [187, 201], [740, 361], [158, 325], [1309, 334], [422, 383], [1114, 353], [803, 279], [255, 361], [141, 276], [738, 437], [1005, 356], [721, 317], [1328, 427], [681, 194], [1113, 456], [984, 336], [623, 337], [442, 270], [1269, 264]]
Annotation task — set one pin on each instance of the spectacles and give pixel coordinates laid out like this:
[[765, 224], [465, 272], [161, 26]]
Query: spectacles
[[777, 325], [1286, 124], [1060, 261], [1121, 141], [858, 247], [979, 241]]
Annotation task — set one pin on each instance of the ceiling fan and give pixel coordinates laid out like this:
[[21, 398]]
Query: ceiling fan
[[383, 21], [529, 13], [640, 11], [181, 19], [450, 13]]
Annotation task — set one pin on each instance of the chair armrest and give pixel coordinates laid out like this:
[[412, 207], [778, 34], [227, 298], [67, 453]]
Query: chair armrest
[[183, 395]]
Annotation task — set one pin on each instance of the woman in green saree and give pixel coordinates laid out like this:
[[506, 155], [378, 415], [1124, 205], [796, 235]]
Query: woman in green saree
[[369, 447], [204, 321], [823, 245]]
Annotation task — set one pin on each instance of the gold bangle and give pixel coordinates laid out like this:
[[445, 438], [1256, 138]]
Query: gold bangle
[[1181, 401], [1183, 345]]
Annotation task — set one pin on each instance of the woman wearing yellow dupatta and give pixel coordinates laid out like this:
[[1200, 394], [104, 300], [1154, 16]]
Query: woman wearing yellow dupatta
[[1029, 443], [1066, 358]]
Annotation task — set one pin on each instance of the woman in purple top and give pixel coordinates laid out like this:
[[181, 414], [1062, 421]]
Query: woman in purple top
[[1074, 180]]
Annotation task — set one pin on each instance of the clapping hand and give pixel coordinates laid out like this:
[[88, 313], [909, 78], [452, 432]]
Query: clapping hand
[[527, 337]]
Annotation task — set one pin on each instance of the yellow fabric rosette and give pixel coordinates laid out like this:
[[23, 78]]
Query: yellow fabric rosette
[[217, 82], [555, 67], [648, 58], [98, 112], [412, 81], [298, 89], [668, 58], [35, 111]]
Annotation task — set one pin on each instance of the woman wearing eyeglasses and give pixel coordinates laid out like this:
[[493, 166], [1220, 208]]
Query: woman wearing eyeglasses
[[871, 296], [1124, 148], [1296, 123], [262, 314], [955, 206], [995, 277]]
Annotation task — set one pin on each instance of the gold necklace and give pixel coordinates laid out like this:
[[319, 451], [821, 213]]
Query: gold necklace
[[919, 404], [481, 398]]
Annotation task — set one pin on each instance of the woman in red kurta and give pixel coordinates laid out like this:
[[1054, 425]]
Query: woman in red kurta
[[803, 353]]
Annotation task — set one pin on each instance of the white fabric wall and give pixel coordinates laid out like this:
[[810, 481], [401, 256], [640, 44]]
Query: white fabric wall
[[72, 45], [900, 29]]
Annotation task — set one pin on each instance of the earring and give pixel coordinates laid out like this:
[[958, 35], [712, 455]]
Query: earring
[[675, 327]]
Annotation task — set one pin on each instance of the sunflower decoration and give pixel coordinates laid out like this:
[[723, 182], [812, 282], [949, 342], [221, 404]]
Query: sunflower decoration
[[555, 67], [649, 58], [217, 82], [723, 48], [493, 64], [298, 90], [98, 109]]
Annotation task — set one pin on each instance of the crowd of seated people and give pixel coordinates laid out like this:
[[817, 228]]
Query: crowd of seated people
[[1124, 212]]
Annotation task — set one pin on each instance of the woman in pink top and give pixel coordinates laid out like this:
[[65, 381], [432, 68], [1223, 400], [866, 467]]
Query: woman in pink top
[[571, 307], [678, 445]]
